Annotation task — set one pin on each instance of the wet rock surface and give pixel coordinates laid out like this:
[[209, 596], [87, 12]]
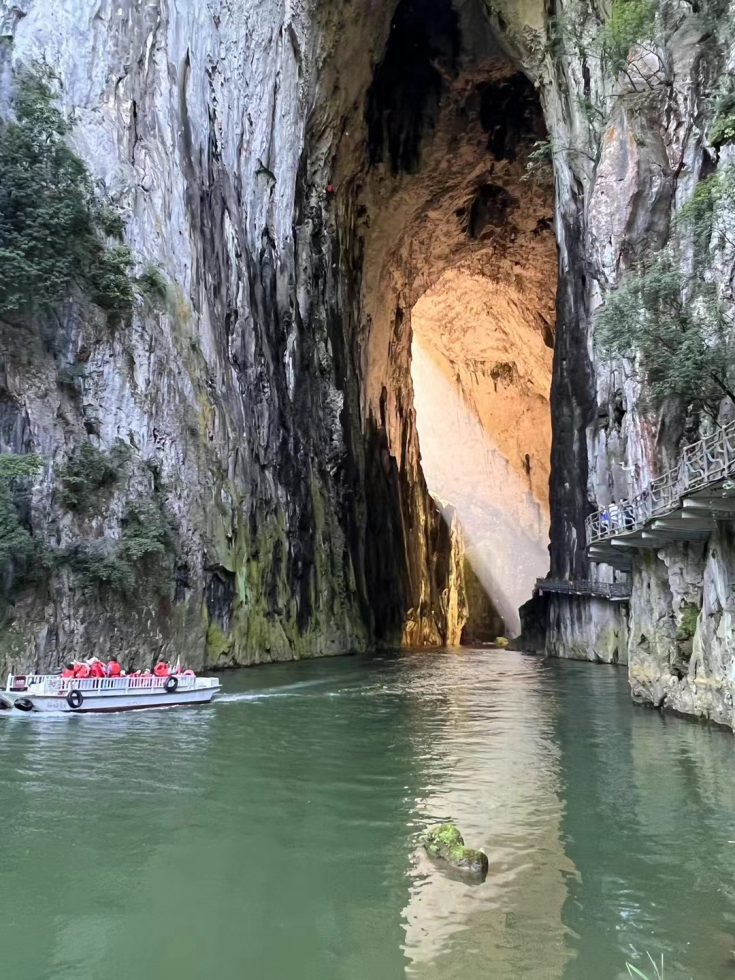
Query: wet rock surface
[[446, 844]]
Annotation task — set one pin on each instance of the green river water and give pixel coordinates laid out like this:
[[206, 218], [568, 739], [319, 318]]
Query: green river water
[[273, 835]]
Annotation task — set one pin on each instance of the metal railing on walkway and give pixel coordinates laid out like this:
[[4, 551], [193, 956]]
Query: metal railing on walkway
[[616, 591], [702, 463]]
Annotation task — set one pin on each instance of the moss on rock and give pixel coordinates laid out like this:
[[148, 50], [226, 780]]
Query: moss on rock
[[445, 842], [218, 643], [689, 614]]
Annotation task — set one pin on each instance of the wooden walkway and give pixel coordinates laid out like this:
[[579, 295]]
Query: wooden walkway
[[614, 591], [681, 505]]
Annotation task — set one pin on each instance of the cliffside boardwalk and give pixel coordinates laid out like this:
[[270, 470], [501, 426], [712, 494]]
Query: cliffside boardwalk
[[614, 591], [681, 505]]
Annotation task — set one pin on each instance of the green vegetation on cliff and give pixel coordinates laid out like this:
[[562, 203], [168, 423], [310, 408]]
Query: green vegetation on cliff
[[88, 472], [709, 214], [140, 560], [676, 321], [52, 228], [576, 30], [723, 125], [17, 545], [677, 327], [630, 23], [152, 284], [218, 643]]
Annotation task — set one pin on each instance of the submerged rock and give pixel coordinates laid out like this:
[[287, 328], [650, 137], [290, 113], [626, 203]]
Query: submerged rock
[[446, 843]]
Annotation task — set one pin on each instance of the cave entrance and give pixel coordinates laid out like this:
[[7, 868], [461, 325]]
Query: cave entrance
[[481, 372], [458, 293]]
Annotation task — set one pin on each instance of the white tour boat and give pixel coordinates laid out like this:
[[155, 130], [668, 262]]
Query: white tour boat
[[50, 692]]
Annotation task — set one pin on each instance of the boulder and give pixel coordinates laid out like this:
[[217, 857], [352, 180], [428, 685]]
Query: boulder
[[445, 843]]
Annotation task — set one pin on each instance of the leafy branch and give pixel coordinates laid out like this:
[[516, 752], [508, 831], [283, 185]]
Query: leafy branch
[[53, 230], [676, 327]]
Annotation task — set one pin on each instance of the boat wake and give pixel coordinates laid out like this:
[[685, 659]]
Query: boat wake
[[287, 691]]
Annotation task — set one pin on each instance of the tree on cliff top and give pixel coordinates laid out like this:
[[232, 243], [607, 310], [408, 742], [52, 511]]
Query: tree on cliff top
[[676, 326], [630, 23], [52, 228]]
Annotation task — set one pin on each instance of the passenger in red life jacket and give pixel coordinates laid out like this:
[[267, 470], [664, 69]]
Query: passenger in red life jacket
[[81, 670], [96, 669], [161, 669], [68, 671], [113, 667]]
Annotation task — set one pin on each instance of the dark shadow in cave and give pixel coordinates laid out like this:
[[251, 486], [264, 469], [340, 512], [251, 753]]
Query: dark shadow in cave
[[403, 100]]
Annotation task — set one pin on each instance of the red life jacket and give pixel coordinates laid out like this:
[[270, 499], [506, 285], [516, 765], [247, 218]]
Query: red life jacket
[[113, 669], [96, 670], [81, 671], [67, 672], [161, 670]]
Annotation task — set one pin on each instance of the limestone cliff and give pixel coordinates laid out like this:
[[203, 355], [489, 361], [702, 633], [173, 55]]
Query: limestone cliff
[[638, 112], [211, 129], [300, 175], [297, 175]]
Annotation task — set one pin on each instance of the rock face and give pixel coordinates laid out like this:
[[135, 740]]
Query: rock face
[[285, 169], [241, 414], [630, 141], [446, 843], [302, 175], [484, 622], [481, 371]]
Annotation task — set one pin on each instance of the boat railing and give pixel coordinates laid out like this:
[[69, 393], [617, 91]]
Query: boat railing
[[119, 683], [702, 463], [54, 682]]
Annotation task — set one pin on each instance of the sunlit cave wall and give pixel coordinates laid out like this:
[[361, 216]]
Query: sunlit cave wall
[[481, 369], [458, 273]]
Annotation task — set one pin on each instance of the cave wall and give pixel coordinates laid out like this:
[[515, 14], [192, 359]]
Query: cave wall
[[629, 150], [455, 209], [240, 395], [300, 528]]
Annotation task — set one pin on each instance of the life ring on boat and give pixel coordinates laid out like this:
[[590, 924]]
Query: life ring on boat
[[24, 704], [170, 684], [75, 699]]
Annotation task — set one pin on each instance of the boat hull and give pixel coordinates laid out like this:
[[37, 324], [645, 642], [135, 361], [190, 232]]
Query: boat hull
[[108, 701]]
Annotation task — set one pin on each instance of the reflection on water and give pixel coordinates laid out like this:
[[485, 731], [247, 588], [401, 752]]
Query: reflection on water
[[275, 834], [494, 745]]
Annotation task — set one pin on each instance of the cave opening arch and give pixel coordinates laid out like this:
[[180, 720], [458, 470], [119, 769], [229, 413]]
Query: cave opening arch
[[457, 289]]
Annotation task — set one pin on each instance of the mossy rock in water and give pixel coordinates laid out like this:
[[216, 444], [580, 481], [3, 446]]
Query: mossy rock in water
[[447, 844], [501, 641]]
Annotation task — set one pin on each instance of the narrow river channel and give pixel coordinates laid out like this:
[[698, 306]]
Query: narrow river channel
[[274, 835]]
